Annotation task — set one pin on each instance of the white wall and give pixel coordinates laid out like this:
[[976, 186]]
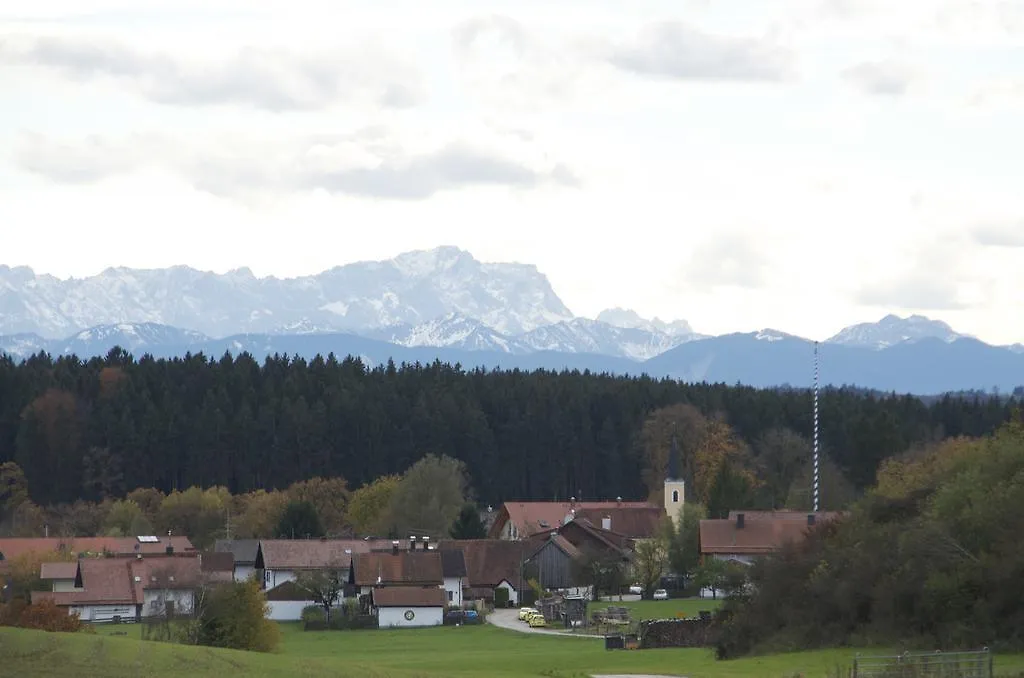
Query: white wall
[[512, 595], [104, 613], [287, 610], [423, 616], [154, 599], [275, 578], [453, 589], [64, 585], [243, 572]]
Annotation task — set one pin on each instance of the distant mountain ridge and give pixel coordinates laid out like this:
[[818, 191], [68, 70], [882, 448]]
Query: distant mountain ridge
[[444, 304]]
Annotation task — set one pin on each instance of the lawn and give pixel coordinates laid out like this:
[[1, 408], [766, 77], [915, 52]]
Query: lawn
[[443, 651], [660, 609]]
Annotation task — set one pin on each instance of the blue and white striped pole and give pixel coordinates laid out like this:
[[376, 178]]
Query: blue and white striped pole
[[817, 476]]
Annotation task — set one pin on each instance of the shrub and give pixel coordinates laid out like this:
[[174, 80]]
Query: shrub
[[46, 616], [313, 613], [235, 616]]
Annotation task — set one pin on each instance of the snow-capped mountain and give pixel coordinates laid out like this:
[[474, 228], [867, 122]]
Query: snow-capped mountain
[[581, 335], [892, 330], [412, 288], [1016, 348], [623, 317], [130, 336], [453, 330]]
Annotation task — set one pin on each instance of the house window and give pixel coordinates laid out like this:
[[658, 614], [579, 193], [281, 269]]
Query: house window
[[451, 596], [675, 496]]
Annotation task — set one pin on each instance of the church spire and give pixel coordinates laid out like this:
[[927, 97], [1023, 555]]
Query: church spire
[[673, 462]]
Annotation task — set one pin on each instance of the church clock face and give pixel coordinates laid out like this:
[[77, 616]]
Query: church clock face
[[409, 614]]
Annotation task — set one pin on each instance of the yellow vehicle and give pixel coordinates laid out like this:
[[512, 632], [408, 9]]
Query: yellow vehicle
[[537, 621], [524, 612]]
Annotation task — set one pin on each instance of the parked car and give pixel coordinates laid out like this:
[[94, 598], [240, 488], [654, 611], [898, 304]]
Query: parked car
[[661, 594], [537, 621], [524, 612], [461, 617], [636, 589]]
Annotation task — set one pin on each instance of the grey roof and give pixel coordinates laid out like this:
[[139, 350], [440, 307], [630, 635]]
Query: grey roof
[[244, 550], [453, 563]]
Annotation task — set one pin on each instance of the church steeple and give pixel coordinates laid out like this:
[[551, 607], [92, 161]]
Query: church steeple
[[675, 488], [673, 462]]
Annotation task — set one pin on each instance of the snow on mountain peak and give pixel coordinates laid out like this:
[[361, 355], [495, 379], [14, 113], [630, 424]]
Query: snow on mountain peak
[[630, 319], [892, 330]]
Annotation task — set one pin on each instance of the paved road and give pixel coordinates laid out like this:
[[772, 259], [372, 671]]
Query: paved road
[[509, 619]]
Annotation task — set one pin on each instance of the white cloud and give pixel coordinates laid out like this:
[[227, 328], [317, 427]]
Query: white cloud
[[697, 160], [265, 78]]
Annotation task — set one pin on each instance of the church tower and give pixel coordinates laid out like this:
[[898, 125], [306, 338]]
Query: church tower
[[675, 487]]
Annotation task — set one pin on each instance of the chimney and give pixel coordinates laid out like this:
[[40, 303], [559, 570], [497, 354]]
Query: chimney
[[426, 543], [169, 550], [606, 523], [618, 500], [412, 542], [572, 504], [740, 520], [810, 519], [394, 547]]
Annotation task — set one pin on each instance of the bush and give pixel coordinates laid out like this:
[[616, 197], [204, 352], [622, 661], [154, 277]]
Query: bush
[[235, 616], [46, 616], [313, 613]]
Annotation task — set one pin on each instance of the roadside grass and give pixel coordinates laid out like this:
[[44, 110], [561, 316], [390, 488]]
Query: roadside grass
[[408, 653]]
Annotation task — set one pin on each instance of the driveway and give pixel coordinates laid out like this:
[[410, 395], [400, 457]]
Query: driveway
[[509, 619]]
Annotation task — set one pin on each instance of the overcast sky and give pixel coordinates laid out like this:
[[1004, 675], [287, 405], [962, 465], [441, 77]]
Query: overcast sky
[[795, 164]]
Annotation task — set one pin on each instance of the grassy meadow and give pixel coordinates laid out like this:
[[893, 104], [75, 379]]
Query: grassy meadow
[[427, 653]]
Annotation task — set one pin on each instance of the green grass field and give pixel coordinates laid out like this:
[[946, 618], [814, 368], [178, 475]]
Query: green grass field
[[426, 653], [660, 609]]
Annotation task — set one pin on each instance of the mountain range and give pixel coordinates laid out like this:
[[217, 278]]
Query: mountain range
[[444, 304]]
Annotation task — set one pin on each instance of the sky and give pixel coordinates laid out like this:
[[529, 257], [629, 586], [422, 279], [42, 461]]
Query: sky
[[795, 164]]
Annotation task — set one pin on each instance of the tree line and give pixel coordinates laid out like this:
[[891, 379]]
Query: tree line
[[931, 557], [99, 429]]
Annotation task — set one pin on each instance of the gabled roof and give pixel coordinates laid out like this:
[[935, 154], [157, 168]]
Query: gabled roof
[[50, 571], [490, 561], [404, 567], [409, 596], [453, 563], [217, 562], [244, 550], [288, 591], [308, 554], [636, 523], [530, 517], [123, 581], [562, 544], [762, 532]]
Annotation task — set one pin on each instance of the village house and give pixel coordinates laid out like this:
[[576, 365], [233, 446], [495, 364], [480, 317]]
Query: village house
[[282, 560], [243, 552], [403, 587], [747, 535], [453, 568], [409, 606], [491, 564], [123, 589], [12, 548]]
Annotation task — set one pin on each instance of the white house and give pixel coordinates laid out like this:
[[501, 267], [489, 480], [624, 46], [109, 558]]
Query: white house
[[281, 560], [370, 571], [286, 602], [453, 567], [244, 552], [409, 606], [103, 589]]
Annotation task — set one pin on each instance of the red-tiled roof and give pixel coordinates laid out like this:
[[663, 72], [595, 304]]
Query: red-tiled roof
[[309, 554], [635, 522], [404, 567], [530, 517], [58, 570], [491, 561], [123, 581], [762, 531], [409, 596], [124, 546]]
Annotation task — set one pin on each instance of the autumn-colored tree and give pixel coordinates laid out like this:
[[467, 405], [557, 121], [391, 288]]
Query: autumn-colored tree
[[329, 496], [704, 444], [148, 500], [199, 514], [23, 570], [125, 518], [234, 615], [429, 497], [257, 514], [368, 507], [650, 558]]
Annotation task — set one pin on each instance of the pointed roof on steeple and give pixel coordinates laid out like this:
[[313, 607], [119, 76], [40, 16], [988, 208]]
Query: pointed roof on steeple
[[673, 462]]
